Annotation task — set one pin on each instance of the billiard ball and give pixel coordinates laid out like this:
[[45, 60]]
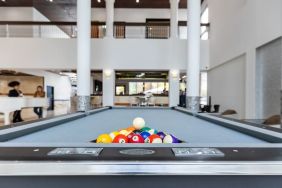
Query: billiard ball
[[130, 129], [113, 134], [153, 131], [161, 134], [155, 139], [137, 132], [124, 132], [145, 135], [136, 138], [145, 129], [168, 139], [130, 135], [120, 139], [104, 139], [139, 123]]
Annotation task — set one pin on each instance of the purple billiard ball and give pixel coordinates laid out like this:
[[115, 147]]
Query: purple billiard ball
[[161, 134], [170, 139]]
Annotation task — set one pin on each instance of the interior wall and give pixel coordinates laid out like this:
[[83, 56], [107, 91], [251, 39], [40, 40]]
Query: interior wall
[[133, 54], [28, 84], [226, 85], [61, 84], [240, 27], [268, 82]]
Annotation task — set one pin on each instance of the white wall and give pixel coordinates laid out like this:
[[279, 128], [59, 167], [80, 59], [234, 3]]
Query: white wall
[[239, 27], [16, 13], [61, 84], [130, 54], [230, 79]]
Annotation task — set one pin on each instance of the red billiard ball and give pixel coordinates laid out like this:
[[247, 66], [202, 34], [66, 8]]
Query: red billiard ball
[[155, 139], [136, 138], [120, 139], [130, 135]]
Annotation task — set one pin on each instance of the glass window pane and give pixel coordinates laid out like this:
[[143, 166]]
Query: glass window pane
[[205, 16]]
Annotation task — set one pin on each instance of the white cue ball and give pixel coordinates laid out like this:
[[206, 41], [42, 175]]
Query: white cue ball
[[139, 123]]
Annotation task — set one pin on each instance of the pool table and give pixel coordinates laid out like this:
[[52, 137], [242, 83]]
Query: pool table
[[215, 152]]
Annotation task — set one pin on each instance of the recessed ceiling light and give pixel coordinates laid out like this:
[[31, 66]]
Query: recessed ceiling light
[[3, 0], [137, 1], [99, 1]]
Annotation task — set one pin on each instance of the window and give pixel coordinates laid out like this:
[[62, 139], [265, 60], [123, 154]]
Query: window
[[205, 20], [160, 88]]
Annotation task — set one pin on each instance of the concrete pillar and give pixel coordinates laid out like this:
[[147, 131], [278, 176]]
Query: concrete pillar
[[110, 18], [193, 64], [174, 18], [174, 93], [83, 54], [108, 87]]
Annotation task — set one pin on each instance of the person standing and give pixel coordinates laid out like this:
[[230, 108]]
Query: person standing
[[39, 94], [16, 92]]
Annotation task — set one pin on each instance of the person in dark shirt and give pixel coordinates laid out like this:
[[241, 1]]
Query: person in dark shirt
[[39, 93], [16, 92]]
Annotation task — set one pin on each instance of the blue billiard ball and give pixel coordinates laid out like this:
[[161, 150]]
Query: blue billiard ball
[[145, 135]]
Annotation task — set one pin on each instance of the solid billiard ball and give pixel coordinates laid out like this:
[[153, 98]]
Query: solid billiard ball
[[145, 135], [104, 139], [139, 123], [169, 139], [120, 139], [136, 138], [113, 134], [137, 132], [161, 134], [153, 131], [155, 139], [130, 129]]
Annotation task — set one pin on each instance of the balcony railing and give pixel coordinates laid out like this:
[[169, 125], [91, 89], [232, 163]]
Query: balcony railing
[[122, 30]]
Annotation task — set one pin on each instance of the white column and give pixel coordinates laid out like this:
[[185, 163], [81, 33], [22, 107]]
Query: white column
[[108, 87], [174, 87], [174, 18], [110, 18], [83, 54], [193, 66]]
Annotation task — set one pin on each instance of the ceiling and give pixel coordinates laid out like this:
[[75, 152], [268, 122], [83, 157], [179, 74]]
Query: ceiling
[[65, 10], [12, 73], [96, 4]]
